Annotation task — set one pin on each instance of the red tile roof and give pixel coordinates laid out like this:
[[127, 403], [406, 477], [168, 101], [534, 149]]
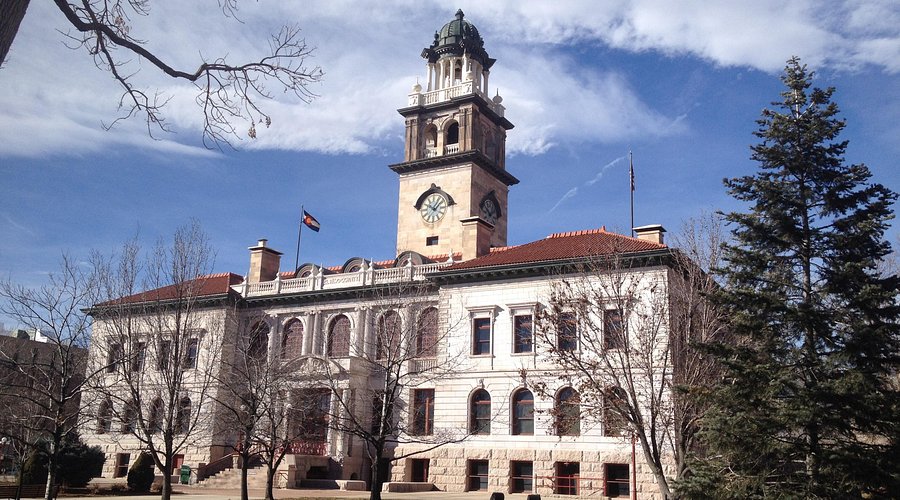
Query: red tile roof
[[560, 246], [209, 285]]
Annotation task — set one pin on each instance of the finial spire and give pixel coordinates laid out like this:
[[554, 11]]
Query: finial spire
[[459, 14]]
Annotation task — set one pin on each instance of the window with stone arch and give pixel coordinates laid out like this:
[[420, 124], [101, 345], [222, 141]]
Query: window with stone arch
[[480, 412], [104, 417], [426, 333], [154, 423], [339, 337], [388, 333], [430, 136], [258, 345], [567, 412], [292, 339], [183, 416], [523, 413], [453, 133]]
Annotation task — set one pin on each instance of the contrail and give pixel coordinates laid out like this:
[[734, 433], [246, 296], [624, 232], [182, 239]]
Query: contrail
[[574, 191]]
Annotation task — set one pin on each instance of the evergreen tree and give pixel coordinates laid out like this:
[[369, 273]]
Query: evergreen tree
[[141, 473], [807, 408]]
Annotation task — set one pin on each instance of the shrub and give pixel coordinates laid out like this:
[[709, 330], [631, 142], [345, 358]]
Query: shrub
[[34, 471], [140, 475], [78, 463]]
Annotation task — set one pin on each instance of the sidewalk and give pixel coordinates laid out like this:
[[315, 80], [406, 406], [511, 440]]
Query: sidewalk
[[200, 493]]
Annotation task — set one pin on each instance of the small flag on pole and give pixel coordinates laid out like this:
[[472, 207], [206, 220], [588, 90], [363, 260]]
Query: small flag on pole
[[631, 173], [310, 221]]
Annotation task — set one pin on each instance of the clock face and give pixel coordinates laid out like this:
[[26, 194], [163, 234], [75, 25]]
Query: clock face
[[489, 211], [433, 208]]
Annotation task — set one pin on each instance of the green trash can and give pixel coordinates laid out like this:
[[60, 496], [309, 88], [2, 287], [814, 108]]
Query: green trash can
[[185, 474]]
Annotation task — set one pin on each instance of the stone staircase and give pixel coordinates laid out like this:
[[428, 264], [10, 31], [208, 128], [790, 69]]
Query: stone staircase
[[231, 478]]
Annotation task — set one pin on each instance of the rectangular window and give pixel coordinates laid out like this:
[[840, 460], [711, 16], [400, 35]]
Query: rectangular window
[[522, 477], [113, 357], [522, 334], [481, 336], [567, 474], [162, 355], [616, 482], [567, 332], [122, 460], [140, 355], [477, 475], [423, 412], [191, 353], [431, 241], [419, 470], [613, 332]]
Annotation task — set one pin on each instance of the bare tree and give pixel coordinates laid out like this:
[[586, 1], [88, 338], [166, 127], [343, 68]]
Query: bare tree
[[159, 347], [621, 330], [402, 358], [226, 91], [254, 385], [45, 379]]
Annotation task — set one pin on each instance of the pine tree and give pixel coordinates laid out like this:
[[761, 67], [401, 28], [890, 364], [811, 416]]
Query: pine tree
[[807, 408]]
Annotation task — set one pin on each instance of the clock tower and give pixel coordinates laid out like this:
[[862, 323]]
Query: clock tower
[[453, 180]]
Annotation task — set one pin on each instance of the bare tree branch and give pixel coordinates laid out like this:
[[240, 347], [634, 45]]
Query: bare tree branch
[[226, 91]]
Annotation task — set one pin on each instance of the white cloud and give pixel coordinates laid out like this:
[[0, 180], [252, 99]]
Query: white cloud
[[369, 53]]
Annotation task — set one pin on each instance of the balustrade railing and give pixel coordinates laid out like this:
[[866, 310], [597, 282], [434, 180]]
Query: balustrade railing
[[315, 448], [363, 277]]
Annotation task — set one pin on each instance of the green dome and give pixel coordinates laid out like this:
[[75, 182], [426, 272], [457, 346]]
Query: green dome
[[456, 38], [457, 31]]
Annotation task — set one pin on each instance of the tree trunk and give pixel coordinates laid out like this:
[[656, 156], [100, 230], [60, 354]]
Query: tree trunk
[[244, 494], [11, 14], [52, 462], [376, 483], [270, 483], [166, 491], [19, 481]]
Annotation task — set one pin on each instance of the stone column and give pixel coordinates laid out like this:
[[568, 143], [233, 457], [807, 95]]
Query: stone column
[[430, 68], [358, 335]]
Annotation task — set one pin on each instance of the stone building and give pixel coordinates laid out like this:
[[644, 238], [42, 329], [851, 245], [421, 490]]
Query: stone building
[[470, 417]]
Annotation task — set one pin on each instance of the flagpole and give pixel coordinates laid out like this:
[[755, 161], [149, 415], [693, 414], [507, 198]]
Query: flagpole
[[631, 187], [299, 231]]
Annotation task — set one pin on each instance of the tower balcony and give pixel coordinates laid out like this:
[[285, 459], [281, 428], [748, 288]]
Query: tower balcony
[[461, 89]]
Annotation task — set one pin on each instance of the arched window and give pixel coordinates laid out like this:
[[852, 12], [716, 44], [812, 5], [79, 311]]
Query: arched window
[[104, 417], [183, 416], [614, 407], [523, 413], [339, 337], [568, 413], [480, 412], [453, 133], [292, 340], [259, 341], [426, 333], [388, 335], [129, 418], [430, 136], [154, 423]]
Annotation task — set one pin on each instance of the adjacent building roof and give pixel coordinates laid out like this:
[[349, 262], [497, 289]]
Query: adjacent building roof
[[561, 246], [206, 286]]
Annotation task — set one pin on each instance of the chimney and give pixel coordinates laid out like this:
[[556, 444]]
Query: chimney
[[652, 233], [264, 263]]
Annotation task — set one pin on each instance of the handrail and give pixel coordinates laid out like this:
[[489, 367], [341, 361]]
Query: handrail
[[216, 466]]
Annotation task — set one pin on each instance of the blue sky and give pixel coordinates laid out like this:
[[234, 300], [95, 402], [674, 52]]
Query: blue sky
[[678, 83]]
